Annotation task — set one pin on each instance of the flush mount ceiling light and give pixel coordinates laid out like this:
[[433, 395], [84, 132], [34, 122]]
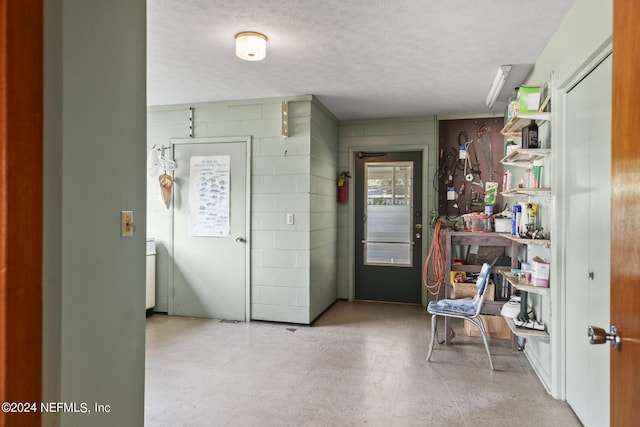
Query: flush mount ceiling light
[[498, 84], [251, 46]]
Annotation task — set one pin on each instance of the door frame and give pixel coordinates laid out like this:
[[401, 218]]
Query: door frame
[[219, 140], [559, 295], [427, 206], [21, 206]]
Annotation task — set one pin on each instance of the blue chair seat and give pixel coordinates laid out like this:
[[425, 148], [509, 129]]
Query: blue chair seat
[[466, 308], [458, 306]]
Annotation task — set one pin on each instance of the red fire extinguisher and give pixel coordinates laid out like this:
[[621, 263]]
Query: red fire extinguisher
[[343, 187]]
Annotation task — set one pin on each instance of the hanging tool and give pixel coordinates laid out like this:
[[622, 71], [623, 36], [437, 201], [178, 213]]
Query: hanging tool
[[485, 142], [462, 162], [473, 171]]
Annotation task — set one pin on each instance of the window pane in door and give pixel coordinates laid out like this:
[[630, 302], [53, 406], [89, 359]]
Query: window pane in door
[[388, 213]]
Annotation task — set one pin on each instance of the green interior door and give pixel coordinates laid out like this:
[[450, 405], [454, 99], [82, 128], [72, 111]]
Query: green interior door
[[210, 230], [388, 208]]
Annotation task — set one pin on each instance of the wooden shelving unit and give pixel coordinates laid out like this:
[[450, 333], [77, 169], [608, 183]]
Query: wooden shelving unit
[[526, 333], [515, 125], [524, 156], [524, 286], [534, 192], [535, 242]]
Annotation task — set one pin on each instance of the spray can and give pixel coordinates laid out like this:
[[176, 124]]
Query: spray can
[[524, 218], [516, 213]]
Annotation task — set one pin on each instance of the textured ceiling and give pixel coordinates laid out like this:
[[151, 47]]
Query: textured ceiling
[[362, 58]]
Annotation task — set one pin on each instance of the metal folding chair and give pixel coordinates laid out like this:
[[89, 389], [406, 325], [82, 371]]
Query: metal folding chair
[[467, 309]]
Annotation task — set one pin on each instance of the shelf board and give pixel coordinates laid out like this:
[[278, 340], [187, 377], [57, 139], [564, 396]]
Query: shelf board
[[535, 242], [525, 156], [526, 333], [515, 125], [535, 192], [524, 286]]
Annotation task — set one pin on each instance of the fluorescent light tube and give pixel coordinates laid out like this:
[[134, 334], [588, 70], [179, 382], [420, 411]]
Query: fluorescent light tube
[[498, 84]]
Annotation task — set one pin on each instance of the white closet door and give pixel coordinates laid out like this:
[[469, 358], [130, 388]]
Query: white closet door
[[588, 254]]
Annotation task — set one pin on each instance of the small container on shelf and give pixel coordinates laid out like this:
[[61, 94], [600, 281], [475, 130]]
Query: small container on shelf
[[510, 147], [466, 221], [506, 181], [528, 178], [481, 222]]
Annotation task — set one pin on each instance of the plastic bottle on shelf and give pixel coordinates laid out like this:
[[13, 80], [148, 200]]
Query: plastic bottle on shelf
[[532, 212], [528, 177], [510, 146], [506, 181], [537, 174]]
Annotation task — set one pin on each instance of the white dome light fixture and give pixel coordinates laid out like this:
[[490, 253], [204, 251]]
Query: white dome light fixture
[[251, 46]]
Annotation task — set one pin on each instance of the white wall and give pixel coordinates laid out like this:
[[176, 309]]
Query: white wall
[[93, 280], [287, 177], [582, 37], [391, 135], [587, 26]]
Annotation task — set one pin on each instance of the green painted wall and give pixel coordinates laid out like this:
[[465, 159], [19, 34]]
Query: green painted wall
[[94, 294]]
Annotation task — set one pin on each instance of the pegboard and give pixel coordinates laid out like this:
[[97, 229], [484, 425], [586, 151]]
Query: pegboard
[[486, 147]]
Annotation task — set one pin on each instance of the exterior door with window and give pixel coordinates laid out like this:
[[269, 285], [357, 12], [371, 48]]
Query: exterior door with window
[[388, 209]]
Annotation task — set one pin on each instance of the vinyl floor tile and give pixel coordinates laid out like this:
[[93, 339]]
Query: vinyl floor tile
[[360, 364]]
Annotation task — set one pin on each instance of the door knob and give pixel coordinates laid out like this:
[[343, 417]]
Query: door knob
[[241, 240], [600, 336]]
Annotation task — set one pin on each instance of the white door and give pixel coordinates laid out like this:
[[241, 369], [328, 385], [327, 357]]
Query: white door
[[588, 251], [210, 229]]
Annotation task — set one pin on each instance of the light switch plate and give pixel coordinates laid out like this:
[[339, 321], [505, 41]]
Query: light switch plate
[[126, 224], [290, 219]]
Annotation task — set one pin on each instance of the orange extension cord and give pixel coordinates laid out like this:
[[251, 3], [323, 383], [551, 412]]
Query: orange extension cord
[[433, 271]]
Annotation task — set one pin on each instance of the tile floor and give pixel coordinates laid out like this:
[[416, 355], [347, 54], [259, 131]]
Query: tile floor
[[360, 364]]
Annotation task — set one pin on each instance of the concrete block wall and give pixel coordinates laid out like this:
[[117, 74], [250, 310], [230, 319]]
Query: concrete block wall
[[282, 181], [280, 252], [324, 210], [390, 135]]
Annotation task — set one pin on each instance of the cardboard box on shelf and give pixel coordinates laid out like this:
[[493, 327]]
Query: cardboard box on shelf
[[528, 99], [541, 271], [496, 327], [469, 290]]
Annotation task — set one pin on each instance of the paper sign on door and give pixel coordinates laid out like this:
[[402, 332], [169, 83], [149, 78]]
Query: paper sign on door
[[209, 196]]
